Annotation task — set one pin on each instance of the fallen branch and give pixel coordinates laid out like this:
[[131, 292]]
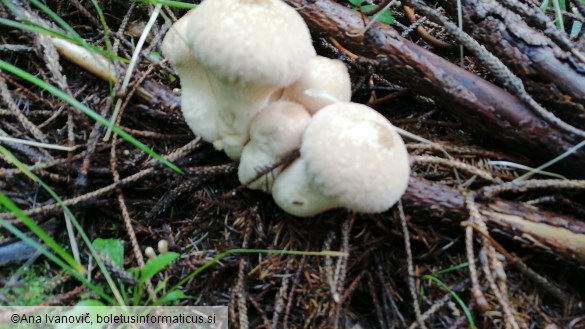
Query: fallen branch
[[529, 53], [491, 112], [562, 236], [154, 94]]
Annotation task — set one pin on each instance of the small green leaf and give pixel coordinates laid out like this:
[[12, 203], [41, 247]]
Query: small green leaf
[[385, 17], [153, 266], [173, 296], [90, 302], [112, 248], [356, 2], [155, 56]]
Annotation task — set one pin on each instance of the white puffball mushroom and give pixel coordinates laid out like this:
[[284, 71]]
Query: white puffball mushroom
[[274, 132], [250, 49], [174, 45], [163, 247], [325, 75], [351, 157], [199, 106], [150, 253]]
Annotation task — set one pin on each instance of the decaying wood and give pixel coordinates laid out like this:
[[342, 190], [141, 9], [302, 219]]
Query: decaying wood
[[492, 112], [487, 108], [557, 234], [154, 94], [555, 77]]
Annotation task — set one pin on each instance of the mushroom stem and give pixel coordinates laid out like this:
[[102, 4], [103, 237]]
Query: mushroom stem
[[275, 131], [199, 104], [237, 105], [300, 197]]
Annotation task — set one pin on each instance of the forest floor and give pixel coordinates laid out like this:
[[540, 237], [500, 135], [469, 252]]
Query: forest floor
[[407, 267]]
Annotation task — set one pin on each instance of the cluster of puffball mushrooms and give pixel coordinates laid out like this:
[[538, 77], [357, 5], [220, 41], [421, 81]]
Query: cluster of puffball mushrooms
[[253, 86]]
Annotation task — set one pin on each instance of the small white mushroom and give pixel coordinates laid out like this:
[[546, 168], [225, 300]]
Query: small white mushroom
[[198, 104], [163, 247], [351, 157], [249, 49], [327, 76], [274, 132], [150, 253]]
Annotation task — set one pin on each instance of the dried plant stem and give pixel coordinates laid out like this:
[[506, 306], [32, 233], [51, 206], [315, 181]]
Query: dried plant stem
[[133, 63], [13, 107], [455, 164], [126, 217], [177, 154], [488, 261], [500, 71], [410, 265]]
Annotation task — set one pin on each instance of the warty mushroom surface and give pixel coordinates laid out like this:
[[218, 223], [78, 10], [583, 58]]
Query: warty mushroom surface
[[326, 76], [198, 105], [249, 50], [275, 131], [351, 157]]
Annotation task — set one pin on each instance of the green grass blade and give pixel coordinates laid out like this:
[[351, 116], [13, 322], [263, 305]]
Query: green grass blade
[[19, 234], [104, 25], [34, 227], [34, 28], [169, 3], [466, 311], [74, 221], [252, 251], [30, 27], [57, 19], [557, 7], [452, 268], [87, 111]]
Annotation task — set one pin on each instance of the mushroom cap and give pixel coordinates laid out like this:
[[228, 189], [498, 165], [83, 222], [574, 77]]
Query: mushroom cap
[[351, 157], [295, 193], [174, 46], [324, 74], [198, 102], [354, 155], [261, 41], [274, 132]]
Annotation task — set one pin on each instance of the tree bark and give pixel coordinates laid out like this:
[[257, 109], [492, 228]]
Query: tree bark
[[559, 235], [489, 111], [552, 75]]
